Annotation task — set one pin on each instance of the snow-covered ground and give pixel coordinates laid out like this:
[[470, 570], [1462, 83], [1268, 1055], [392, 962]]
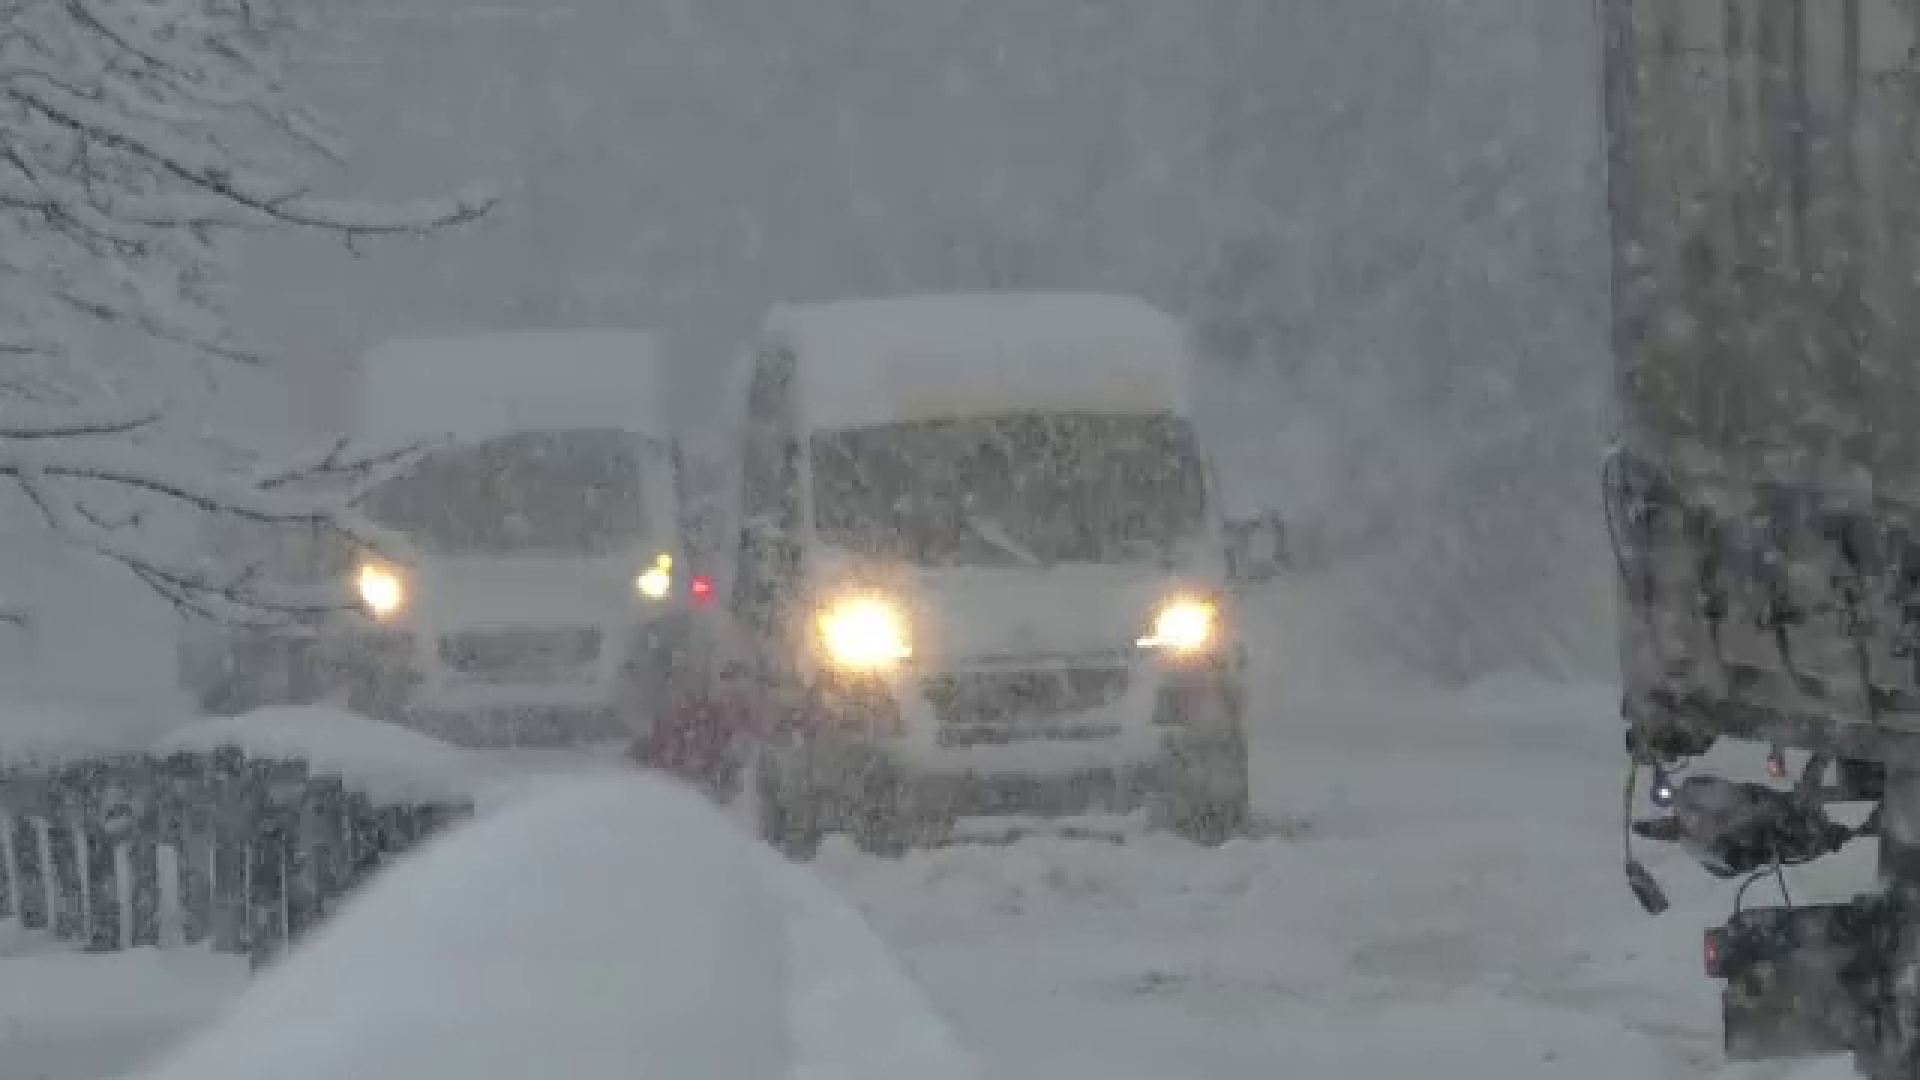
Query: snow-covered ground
[[1439, 895]]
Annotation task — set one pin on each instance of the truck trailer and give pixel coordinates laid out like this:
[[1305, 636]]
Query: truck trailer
[[1763, 487]]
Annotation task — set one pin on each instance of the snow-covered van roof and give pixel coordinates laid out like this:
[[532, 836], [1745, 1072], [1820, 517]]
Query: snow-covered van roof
[[480, 385], [900, 359]]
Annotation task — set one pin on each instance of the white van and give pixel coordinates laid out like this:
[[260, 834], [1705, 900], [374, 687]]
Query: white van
[[980, 553], [545, 531]]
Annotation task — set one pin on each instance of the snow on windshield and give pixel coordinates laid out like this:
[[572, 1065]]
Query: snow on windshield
[[567, 492], [1032, 490]]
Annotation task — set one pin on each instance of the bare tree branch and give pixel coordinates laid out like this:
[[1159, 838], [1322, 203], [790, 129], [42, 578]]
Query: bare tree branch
[[134, 139], [59, 426], [250, 191], [337, 464]]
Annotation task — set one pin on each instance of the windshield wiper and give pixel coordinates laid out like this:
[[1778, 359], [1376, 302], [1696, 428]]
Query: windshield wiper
[[996, 534]]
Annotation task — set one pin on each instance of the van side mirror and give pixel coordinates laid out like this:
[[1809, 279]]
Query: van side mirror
[[1256, 549]]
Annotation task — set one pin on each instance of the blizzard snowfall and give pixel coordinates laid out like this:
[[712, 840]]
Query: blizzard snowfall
[[1437, 893], [1388, 213]]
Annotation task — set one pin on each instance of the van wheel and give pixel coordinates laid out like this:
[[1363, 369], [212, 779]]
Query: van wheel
[[883, 811], [1205, 795], [363, 693], [788, 820], [879, 812], [1213, 822]]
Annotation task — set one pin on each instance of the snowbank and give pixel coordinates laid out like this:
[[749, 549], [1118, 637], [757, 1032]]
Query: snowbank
[[856, 1015], [385, 762], [584, 934], [607, 929]]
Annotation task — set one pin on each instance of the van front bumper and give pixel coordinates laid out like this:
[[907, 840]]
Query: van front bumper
[[523, 726], [400, 676], [1166, 732]]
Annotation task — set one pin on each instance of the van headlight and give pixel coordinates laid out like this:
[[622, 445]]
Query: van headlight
[[656, 581], [1184, 626], [381, 589], [864, 633]]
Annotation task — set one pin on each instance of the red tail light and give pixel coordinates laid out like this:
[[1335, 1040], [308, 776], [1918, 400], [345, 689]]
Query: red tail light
[[1712, 953], [702, 589]]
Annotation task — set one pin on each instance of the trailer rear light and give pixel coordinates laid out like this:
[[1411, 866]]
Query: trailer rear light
[[1713, 952], [1660, 792]]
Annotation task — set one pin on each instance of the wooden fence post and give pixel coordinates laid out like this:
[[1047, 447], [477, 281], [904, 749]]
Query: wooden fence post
[[6, 867], [143, 824], [9, 813], [97, 793], [63, 852], [404, 828], [232, 825], [365, 841], [278, 788], [29, 869], [319, 882], [63, 858], [187, 826]]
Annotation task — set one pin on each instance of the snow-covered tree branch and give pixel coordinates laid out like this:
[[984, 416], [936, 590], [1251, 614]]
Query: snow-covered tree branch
[[136, 137], [71, 471]]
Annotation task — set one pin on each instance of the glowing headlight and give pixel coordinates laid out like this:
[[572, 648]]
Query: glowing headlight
[[657, 580], [1183, 626], [380, 589], [865, 633]]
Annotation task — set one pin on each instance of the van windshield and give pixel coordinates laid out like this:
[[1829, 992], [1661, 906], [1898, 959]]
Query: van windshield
[[1031, 489], [538, 492]]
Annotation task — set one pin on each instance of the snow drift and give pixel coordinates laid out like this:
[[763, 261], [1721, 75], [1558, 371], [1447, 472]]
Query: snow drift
[[608, 928], [384, 761]]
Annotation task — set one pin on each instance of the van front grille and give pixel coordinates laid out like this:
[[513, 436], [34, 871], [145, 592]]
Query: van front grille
[[521, 653], [1007, 706]]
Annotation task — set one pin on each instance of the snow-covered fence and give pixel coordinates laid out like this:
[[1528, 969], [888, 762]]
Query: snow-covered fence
[[208, 840]]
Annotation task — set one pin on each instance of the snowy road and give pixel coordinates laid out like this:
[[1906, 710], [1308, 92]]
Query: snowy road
[[1442, 898], [1444, 901]]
